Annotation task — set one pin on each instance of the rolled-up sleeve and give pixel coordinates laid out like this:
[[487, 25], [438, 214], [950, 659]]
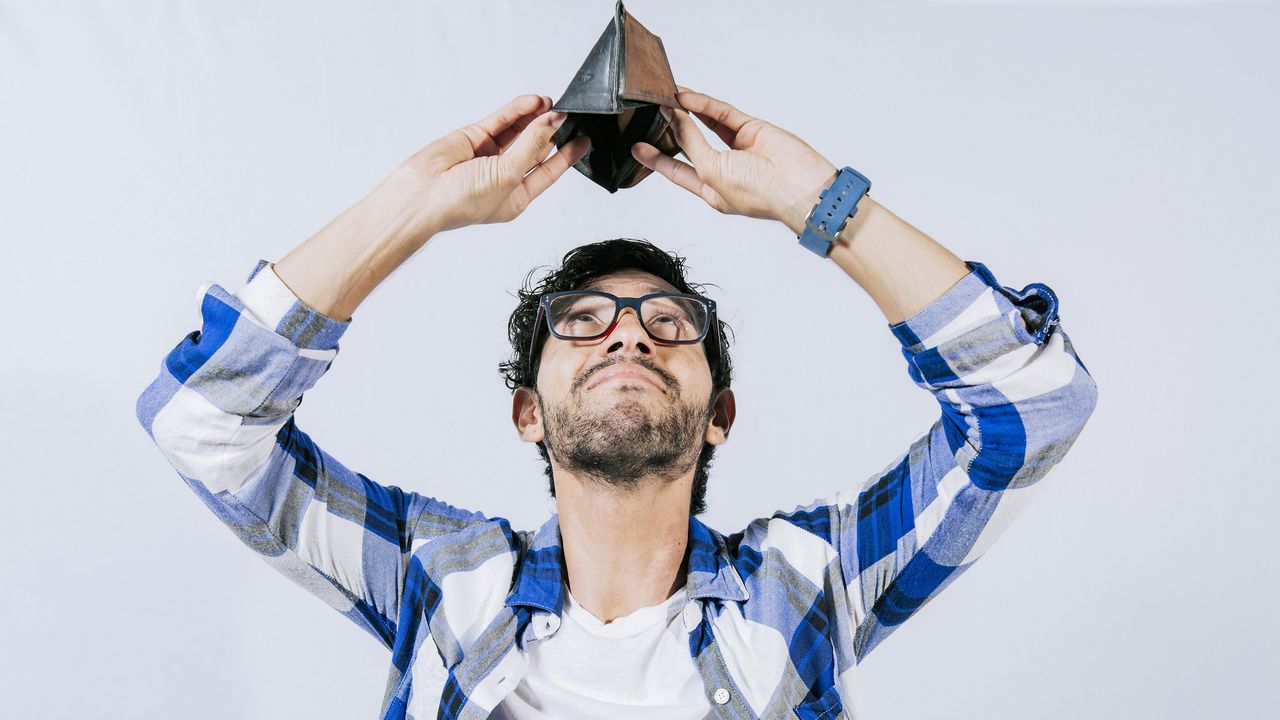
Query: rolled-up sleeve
[[1013, 396]]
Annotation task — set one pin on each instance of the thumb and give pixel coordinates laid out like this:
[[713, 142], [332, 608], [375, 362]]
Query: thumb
[[532, 145]]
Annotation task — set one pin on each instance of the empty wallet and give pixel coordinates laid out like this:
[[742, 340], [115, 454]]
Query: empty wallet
[[614, 100]]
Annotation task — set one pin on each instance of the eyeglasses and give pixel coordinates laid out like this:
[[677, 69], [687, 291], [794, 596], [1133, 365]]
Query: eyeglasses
[[668, 318]]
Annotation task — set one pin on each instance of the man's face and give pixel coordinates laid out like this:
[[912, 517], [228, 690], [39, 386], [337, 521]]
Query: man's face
[[623, 407]]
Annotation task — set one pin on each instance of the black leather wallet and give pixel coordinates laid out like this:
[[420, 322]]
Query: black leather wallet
[[614, 100]]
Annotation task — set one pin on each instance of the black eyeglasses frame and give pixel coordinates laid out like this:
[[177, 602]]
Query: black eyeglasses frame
[[620, 304]]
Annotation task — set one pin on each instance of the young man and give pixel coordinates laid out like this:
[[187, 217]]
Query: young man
[[623, 604]]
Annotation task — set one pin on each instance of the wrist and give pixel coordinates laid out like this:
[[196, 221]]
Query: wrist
[[828, 224], [801, 200], [866, 212], [404, 195]]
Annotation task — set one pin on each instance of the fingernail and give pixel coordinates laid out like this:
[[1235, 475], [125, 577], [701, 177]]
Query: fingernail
[[557, 119]]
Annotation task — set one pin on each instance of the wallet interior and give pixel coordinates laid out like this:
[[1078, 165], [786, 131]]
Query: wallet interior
[[609, 162]]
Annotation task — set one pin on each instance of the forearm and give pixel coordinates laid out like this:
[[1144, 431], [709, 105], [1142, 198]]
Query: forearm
[[770, 173], [338, 267], [901, 268]]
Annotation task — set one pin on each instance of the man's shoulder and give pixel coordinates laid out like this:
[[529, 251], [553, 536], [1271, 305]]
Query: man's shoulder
[[789, 553], [465, 575], [802, 535], [470, 544]]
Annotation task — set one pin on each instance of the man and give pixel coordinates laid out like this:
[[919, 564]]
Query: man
[[623, 604]]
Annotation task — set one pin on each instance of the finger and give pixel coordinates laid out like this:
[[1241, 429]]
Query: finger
[[691, 139], [508, 136], [482, 134], [718, 110], [533, 144], [680, 173], [547, 172], [726, 135], [721, 131], [518, 109]]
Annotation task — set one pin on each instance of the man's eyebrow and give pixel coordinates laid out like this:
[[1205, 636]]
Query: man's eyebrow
[[646, 288]]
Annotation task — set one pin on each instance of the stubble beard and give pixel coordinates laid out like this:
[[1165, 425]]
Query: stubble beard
[[625, 441]]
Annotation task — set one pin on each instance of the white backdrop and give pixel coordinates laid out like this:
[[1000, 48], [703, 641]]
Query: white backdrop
[[1124, 154]]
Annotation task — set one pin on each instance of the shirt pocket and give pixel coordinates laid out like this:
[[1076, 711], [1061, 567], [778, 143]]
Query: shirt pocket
[[827, 707]]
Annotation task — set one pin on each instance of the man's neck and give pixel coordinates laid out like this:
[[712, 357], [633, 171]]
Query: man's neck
[[623, 550]]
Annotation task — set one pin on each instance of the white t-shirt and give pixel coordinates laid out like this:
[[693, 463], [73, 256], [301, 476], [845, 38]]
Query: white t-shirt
[[637, 666]]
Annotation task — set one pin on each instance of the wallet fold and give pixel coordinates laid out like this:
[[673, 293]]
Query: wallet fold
[[614, 100]]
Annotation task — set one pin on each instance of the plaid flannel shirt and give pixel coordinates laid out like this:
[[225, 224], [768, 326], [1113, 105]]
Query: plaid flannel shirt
[[779, 613]]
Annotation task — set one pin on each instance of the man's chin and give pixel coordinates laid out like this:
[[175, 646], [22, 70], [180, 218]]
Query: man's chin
[[621, 435], [625, 407]]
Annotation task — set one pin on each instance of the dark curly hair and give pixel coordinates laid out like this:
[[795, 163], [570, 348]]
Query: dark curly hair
[[580, 266]]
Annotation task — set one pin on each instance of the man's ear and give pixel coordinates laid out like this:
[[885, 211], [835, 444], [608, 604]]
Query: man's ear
[[527, 415], [722, 414]]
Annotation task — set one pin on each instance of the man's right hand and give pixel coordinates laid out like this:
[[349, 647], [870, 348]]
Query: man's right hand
[[488, 171]]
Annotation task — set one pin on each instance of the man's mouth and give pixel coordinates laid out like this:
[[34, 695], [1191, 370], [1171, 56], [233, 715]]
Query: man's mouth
[[626, 371]]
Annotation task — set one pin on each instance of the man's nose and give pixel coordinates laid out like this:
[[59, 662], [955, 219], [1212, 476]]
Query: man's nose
[[628, 333]]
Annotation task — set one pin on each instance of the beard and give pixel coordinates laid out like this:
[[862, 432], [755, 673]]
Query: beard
[[625, 439]]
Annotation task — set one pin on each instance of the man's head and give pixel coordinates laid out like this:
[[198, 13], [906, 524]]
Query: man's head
[[664, 409]]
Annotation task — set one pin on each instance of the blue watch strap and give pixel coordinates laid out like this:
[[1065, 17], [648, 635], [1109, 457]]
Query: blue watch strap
[[836, 205]]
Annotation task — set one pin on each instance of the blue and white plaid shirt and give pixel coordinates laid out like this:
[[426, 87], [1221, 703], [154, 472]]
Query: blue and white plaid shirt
[[779, 613]]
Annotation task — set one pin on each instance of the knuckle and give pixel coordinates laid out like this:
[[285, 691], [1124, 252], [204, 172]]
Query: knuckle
[[502, 175], [492, 174]]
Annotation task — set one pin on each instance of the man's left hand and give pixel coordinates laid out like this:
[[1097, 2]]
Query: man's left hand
[[767, 172]]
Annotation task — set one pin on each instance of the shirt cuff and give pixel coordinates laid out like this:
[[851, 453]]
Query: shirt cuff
[[271, 304], [974, 301]]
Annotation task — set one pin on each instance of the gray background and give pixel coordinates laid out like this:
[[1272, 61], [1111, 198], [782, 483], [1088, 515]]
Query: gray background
[[1124, 154]]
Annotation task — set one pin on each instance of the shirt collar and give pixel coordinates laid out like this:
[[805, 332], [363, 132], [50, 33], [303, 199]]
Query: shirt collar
[[711, 572], [539, 580]]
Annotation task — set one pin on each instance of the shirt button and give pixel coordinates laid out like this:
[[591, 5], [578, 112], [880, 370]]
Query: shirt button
[[692, 615], [721, 696]]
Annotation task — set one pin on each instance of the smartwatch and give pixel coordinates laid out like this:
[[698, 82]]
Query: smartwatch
[[836, 205]]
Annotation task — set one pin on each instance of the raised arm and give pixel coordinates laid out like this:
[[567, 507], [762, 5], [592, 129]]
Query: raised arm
[[1013, 393], [769, 173], [488, 171], [221, 409]]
